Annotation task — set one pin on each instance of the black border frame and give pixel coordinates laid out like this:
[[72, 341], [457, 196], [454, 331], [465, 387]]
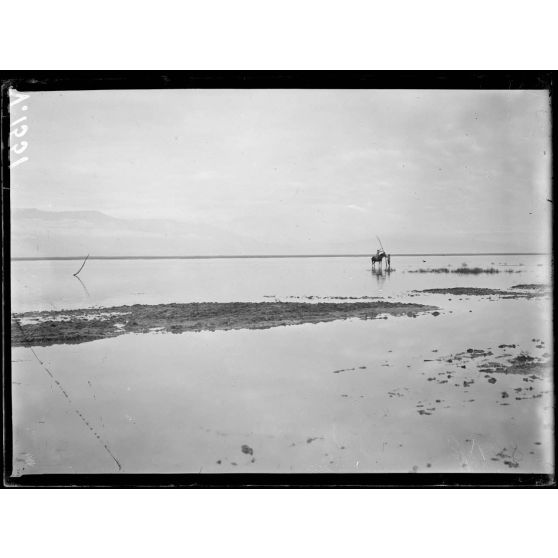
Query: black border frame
[[88, 80]]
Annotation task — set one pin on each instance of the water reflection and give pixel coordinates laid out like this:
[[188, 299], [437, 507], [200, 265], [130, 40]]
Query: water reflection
[[381, 275], [83, 285]]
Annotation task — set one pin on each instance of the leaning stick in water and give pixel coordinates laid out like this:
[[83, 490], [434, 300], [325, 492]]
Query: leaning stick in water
[[76, 273]]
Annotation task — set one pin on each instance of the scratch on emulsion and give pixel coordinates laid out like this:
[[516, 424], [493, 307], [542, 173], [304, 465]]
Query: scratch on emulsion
[[65, 394]]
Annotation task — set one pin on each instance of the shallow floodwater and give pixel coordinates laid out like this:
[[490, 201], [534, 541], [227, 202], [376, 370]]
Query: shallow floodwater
[[50, 285], [342, 396]]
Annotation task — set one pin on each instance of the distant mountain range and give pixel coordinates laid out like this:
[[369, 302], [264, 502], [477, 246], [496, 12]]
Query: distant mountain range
[[43, 234], [38, 233]]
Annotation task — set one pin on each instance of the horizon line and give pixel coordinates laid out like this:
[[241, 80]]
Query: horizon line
[[271, 256]]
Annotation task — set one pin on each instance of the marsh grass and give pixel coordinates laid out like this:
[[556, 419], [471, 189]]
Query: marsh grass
[[463, 270]]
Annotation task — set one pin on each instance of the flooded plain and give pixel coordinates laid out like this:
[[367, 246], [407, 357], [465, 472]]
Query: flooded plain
[[50, 285], [400, 394]]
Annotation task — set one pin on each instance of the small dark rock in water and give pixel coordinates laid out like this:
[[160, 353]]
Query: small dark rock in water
[[247, 449], [436, 313], [505, 394], [491, 380]]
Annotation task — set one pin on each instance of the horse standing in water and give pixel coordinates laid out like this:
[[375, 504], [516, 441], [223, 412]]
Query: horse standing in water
[[380, 255]]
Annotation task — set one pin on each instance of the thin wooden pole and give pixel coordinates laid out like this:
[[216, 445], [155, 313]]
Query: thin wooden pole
[[76, 273]]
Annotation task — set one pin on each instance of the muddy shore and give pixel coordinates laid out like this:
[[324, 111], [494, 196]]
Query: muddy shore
[[79, 326]]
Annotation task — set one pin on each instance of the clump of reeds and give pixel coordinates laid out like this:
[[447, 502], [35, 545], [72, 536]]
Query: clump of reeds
[[433, 270], [464, 269], [476, 270]]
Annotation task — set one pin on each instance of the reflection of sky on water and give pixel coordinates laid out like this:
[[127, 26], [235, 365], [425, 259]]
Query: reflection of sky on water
[[46, 285], [183, 403]]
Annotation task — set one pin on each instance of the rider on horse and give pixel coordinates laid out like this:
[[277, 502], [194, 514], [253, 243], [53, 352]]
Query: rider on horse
[[380, 255]]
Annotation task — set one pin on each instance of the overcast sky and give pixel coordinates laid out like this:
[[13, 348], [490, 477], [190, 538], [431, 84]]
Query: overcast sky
[[293, 171]]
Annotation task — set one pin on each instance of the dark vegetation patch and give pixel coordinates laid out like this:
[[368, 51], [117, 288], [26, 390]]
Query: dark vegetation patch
[[482, 291], [247, 449], [509, 457], [79, 326], [531, 286], [523, 364], [464, 270], [314, 297], [464, 291], [531, 367], [349, 369]]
